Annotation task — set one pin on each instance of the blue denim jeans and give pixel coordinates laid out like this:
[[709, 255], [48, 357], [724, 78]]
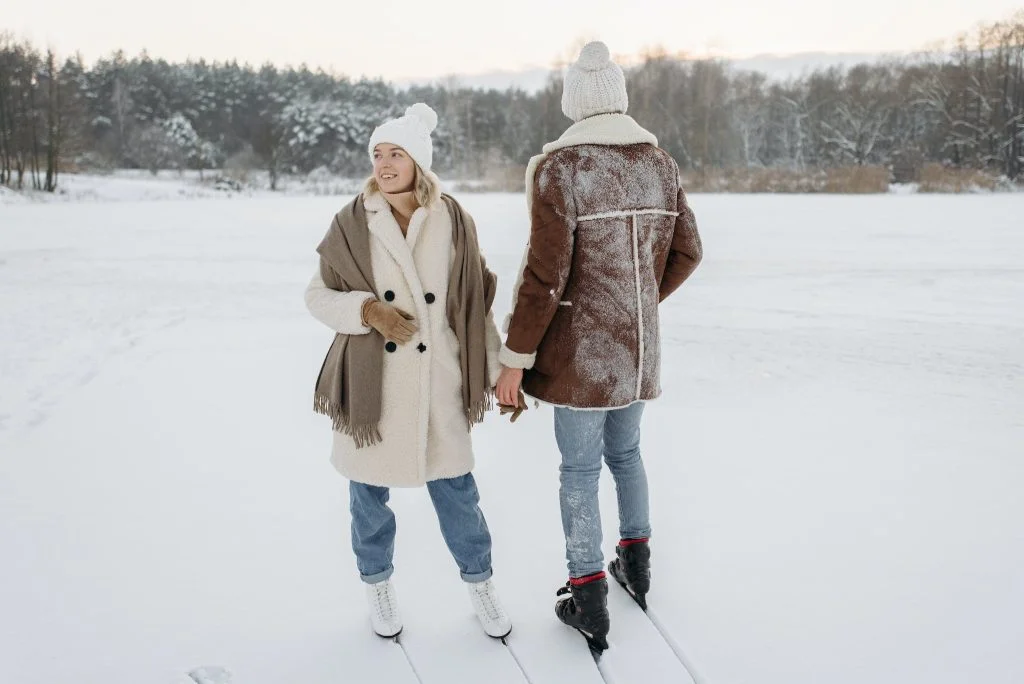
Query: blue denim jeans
[[583, 438], [463, 527]]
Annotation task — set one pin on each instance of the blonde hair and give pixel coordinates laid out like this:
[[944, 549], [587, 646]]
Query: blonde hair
[[426, 187]]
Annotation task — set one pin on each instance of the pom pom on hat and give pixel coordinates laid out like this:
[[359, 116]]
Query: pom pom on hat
[[594, 56], [594, 84], [410, 132], [425, 114]]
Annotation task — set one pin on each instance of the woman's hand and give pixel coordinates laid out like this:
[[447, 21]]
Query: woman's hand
[[507, 390], [516, 411], [389, 321]]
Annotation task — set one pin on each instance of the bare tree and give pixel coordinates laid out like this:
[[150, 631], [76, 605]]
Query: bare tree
[[53, 122], [749, 110]]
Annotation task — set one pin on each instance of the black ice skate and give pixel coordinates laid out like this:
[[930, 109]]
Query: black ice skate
[[586, 609], [632, 568]]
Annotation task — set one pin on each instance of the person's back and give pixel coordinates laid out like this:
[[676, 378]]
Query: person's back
[[611, 236], [620, 206]]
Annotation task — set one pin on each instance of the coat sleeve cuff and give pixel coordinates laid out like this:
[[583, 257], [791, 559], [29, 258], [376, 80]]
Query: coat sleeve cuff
[[511, 359]]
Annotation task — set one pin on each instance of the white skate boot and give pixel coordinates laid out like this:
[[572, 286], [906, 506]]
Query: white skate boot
[[383, 603], [489, 610]]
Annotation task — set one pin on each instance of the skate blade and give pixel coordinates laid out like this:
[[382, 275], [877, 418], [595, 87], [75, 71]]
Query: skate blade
[[502, 637], [640, 599], [598, 645]]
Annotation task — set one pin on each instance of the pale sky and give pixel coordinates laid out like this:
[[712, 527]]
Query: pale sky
[[405, 38]]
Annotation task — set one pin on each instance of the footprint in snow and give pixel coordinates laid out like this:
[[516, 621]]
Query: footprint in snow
[[211, 675]]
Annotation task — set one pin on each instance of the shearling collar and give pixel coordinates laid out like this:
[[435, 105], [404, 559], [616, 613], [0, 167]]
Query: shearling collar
[[603, 129], [383, 223]]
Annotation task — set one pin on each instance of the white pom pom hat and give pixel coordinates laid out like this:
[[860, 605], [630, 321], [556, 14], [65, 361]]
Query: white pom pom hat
[[594, 85], [410, 132]]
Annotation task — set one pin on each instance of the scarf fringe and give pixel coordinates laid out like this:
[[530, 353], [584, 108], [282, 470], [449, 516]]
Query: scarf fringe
[[363, 435], [477, 412]]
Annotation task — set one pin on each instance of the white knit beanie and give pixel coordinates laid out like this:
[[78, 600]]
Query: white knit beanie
[[594, 84], [410, 132]]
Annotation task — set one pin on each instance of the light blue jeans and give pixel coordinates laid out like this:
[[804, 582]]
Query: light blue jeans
[[457, 502], [583, 438]]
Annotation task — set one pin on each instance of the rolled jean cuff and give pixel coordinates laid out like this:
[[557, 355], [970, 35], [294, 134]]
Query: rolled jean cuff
[[477, 577], [635, 534], [378, 577]]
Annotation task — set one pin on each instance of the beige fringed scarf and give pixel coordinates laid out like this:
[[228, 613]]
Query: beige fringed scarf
[[348, 389]]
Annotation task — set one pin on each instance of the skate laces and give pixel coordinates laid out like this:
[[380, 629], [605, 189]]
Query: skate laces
[[488, 601], [385, 601]]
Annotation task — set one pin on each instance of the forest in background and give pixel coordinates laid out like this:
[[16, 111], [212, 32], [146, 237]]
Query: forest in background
[[956, 112]]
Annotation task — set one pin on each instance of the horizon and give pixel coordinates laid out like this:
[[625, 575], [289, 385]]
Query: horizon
[[533, 78], [98, 34]]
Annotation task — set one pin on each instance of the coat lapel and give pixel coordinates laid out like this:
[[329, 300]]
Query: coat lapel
[[416, 224], [383, 226]]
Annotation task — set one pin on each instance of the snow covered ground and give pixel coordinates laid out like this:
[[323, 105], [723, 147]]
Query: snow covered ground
[[133, 185], [836, 462], [128, 185]]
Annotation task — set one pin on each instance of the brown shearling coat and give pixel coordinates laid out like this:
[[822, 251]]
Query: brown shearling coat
[[611, 236]]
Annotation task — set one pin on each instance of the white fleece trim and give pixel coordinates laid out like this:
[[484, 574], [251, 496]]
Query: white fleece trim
[[416, 221], [375, 201], [627, 212], [604, 129], [639, 307], [511, 359], [587, 408]]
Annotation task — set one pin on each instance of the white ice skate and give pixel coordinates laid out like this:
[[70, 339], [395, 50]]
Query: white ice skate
[[383, 603], [487, 605]]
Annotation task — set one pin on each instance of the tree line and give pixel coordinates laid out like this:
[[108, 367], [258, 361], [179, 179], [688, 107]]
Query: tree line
[[962, 107]]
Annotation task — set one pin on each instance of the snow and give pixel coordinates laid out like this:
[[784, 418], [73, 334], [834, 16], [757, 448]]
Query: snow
[[125, 185], [835, 463], [131, 185]]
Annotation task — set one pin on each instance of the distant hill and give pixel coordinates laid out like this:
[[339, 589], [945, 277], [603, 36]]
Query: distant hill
[[776, 66]]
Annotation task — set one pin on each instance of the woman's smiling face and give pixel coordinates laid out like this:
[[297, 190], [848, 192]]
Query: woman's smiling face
[[393, 168]]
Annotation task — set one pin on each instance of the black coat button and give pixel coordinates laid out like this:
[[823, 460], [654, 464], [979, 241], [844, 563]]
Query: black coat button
[[429, 297], [422, 347], [391, 346], [389, 296]]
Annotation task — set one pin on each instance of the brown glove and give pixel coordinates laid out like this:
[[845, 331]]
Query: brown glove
[[392, 323], [516, 411]]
